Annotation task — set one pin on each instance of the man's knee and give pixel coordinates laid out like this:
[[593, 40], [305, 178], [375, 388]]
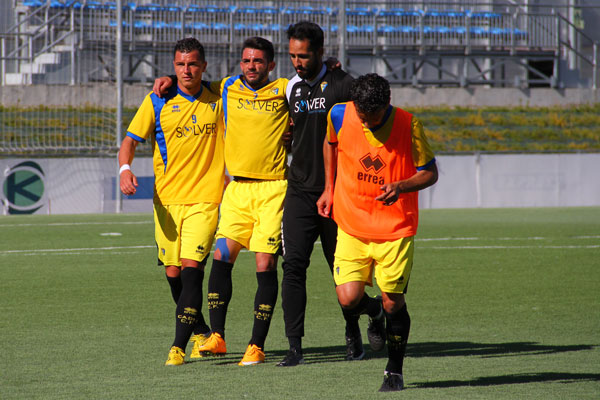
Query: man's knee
[[172, 271], [393, 302], [266, 262], [348, 302]]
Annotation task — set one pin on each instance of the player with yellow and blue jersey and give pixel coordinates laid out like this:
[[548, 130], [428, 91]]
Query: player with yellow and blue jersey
[[256, 118], [186, 129]]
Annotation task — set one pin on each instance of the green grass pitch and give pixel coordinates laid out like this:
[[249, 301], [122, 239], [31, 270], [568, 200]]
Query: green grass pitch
[[505, 304]]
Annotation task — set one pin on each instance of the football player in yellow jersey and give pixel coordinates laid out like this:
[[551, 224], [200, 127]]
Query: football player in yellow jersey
[[186, 129], [256, 117], [256, 120]]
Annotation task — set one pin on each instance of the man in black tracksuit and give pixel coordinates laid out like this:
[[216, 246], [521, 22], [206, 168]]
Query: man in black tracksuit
[[311, 94]]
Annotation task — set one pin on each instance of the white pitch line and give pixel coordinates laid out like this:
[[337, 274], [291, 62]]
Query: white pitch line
[[120, 248], [597, 246], [79, 223], [71, 250], [448, 239], [77, 251]]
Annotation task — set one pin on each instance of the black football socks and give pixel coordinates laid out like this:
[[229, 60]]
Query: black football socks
[[188, 312], [220, 289], [397, 327], [264, 305]]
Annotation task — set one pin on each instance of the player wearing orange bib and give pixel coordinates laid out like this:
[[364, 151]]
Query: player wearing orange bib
[[376, 159]]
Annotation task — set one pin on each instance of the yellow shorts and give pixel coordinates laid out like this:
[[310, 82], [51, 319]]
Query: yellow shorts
[[184, 231], [357, 259], [251, 214]]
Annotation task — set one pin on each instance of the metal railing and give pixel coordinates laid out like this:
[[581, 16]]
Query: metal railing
[[376, 29]]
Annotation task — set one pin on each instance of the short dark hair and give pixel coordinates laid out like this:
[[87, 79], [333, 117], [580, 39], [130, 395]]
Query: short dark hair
[[262, 44], [188, 45], [306, 30], [370, 93]]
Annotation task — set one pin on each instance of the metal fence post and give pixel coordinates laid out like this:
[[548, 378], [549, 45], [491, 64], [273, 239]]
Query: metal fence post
[[342, 33], [595, 66], [3, 55], [119, 87]]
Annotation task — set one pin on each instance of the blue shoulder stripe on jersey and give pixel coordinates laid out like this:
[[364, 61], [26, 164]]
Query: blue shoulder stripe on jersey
[[429, 164], [337, 116], [158, 103], [136, 137], [228, 83]]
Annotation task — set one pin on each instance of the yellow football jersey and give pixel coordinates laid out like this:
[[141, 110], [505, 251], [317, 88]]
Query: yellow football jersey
[[255, 121], [187, 145]]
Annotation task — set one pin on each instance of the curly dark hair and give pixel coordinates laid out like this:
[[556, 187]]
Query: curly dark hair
[[304, 30], [262, 44], [370, 93], [188, 45]]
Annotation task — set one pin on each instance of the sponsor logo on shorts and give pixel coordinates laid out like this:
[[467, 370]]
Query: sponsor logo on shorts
[[337, 270], [200, 249], [271, 242], [162, 251]]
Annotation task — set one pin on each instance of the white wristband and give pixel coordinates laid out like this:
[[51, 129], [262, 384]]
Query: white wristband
[[124, 167]]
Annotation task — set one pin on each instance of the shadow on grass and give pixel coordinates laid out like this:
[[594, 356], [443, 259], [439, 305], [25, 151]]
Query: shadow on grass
[[449, 349], [440, 349], [510, 380], [315, 355]]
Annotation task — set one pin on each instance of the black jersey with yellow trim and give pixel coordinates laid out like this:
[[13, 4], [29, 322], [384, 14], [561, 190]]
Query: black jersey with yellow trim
[[309, 104]]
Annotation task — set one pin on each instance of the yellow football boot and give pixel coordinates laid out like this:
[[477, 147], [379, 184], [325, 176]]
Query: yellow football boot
[[253, 355], [176, 356], [198, 340]]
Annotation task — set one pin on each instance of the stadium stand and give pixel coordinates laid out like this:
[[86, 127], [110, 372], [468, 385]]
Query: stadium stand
[[456, 43]]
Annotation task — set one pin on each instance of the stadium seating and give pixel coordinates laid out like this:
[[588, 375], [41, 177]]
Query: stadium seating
[[366, 26], [372, 28]]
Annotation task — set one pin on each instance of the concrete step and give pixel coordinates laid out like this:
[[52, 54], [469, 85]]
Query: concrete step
[[17, 79], [32, 68], [62, 48], [47, 58]]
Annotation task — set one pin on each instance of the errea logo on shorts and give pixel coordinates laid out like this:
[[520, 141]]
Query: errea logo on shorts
[[271, 242], [200, 249]]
